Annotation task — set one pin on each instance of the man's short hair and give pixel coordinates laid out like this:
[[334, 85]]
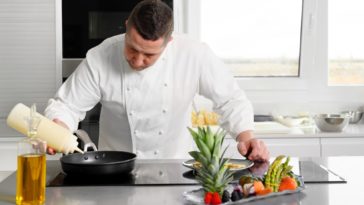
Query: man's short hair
[[152, 19]]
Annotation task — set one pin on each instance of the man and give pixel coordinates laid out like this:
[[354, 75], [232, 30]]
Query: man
[[146, 80]]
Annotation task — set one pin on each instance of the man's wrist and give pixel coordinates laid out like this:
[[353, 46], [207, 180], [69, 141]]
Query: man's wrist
[[245, 136]]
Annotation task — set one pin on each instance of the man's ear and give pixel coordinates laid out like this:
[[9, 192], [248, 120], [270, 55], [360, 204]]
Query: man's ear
[[170, 39]]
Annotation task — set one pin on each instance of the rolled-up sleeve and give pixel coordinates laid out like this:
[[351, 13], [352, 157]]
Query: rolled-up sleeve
[[229, 101]]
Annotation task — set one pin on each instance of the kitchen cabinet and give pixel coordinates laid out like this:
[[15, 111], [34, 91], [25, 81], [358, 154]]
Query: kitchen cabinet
[[348, 146], [303, 146], [8, 153], [295, 147]]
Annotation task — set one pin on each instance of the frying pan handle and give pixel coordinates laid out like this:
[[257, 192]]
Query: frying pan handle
[[86, 140]]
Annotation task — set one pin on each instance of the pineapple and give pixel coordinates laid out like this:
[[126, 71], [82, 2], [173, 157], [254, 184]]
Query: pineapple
[[213, 174]]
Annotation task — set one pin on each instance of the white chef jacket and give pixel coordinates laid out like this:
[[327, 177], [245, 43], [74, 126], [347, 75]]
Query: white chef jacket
[[147, 112]]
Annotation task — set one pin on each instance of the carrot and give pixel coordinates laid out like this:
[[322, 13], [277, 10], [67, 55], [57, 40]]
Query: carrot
[[265, 191], [287, 183], [258, 186]]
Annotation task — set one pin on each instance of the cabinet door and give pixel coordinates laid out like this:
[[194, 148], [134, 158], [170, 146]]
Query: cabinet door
[[8, 155], [342, 146], [295, 147]]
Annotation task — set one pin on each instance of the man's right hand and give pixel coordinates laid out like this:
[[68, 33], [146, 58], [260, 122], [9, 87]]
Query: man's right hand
[[50, 150]]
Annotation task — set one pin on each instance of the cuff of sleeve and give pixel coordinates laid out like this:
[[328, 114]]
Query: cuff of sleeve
[[52, 113]]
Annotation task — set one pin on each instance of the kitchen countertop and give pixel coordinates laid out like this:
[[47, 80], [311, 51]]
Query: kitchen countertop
[[352, 130], [351, 168]]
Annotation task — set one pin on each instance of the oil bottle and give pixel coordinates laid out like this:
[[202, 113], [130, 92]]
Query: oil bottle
[[31, 168]]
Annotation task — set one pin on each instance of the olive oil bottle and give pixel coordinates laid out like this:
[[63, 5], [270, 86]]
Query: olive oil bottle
[[31, 170]]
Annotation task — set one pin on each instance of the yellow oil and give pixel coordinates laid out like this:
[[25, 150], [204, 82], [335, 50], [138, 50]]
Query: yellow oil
[[31, 179]]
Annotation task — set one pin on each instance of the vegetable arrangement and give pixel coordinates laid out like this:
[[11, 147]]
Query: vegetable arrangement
[[279, 177], [214, 175]]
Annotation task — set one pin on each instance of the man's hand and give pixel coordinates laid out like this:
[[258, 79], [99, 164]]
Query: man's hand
[[50, 150], [61, 123], [253, 149]]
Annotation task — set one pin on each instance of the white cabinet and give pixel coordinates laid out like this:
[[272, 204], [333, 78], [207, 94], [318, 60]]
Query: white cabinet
[[295, 147], [306, 147], [8, 153], [342, 146]]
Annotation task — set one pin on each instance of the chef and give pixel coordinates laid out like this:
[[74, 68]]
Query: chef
[[146, 80]]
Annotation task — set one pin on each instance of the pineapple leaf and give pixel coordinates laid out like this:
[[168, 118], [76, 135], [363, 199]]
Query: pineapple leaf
[[223, 161], [223, 153], [193, 134], [223, 134], [210, 139], [195, 155], [217, 146], [201, 133], [199, 157], [204, 149]]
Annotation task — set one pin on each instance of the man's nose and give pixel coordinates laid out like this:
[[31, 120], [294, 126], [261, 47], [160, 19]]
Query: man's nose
[[138, 60]]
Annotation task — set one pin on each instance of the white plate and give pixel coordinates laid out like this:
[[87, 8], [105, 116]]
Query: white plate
[[243, 162]]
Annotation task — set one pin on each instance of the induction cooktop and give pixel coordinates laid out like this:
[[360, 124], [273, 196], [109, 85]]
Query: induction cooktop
[[174, 173]]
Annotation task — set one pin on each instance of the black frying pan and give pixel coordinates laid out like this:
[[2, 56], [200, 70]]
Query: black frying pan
[[97, 162]]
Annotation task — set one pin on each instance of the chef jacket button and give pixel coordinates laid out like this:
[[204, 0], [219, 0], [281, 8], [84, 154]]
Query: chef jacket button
[[164, 111], [156, 152], [135, 132], [160, 132], [165, 84], [131, 113], [128, 89]]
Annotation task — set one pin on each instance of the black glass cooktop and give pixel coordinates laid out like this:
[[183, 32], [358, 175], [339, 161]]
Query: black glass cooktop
[[174, 173]]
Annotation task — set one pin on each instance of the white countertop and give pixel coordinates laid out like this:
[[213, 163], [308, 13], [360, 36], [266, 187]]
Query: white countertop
[[314, 193], [352, 130], [4, 174]]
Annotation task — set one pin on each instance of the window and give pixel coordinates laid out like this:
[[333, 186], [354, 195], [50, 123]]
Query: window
[[296, 36], [255, 38], [346, 44]]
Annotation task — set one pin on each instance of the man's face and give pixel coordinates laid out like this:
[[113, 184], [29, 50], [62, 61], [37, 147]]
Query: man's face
[[141, 53]]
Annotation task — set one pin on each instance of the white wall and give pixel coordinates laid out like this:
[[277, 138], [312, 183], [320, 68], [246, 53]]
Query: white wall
[[28, 68]]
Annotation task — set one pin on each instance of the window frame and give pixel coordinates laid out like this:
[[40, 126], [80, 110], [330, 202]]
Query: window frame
[[254, 83], [312, 84]]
